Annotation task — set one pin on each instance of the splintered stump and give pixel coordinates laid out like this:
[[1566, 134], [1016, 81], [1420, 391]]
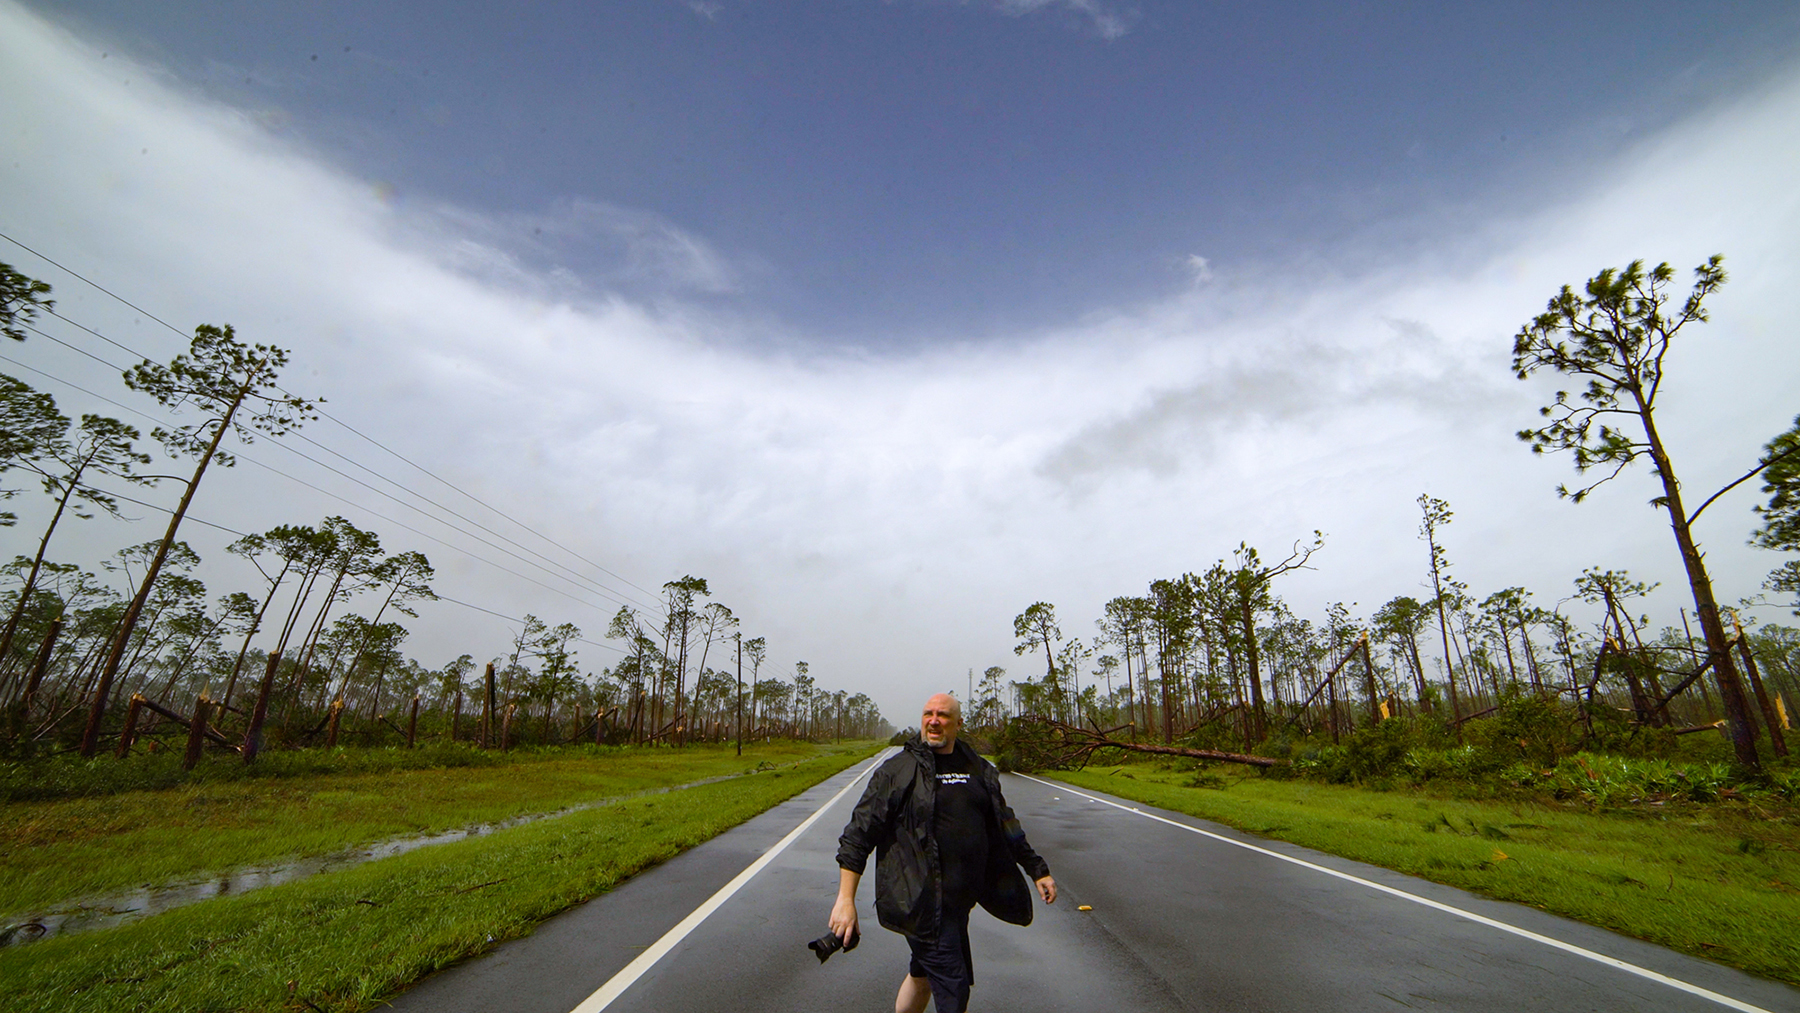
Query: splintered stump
[[196, 733], [487, 708], [1771, 717], [129, 733], [412, 723]]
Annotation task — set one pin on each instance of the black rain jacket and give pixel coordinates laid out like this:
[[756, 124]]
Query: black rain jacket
[[894, 819]]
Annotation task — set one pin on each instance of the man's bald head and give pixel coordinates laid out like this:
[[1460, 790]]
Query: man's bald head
[[941, 722]]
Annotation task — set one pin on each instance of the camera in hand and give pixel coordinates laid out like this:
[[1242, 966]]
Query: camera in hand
[[829, 943]]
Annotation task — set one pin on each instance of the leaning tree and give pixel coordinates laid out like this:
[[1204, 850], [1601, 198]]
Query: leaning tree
[[65, 467], [1614, 337], [232, 387]]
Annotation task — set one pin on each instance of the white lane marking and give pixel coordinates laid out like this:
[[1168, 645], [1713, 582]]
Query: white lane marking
[[1642, 972], [618, 983]]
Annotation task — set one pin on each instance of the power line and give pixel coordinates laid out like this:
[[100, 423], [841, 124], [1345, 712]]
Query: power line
[[376, 443], [75, 386], [515, 619], [448, 485], [470, 520], [97, 334], [598, 587], [313, 487], [407, 527], [162, 509], [233, 531], [72, 348], [94, 284]]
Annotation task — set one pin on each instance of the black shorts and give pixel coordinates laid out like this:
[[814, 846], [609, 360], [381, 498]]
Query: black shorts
[[945, 962]]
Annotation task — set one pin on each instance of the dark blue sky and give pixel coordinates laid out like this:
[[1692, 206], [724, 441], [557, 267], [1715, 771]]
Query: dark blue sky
[[911, 171]]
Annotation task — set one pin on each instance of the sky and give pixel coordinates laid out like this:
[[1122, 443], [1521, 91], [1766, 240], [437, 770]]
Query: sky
[[892, 318]]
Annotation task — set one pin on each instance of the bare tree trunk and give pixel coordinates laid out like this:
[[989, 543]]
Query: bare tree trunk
[[1259, 718], [255, 625], [39, 667], [37, 564]]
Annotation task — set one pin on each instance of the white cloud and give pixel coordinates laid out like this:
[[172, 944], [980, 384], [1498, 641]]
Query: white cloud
[[616, 247], [1110, 21], [1199, 269], [885, 516]]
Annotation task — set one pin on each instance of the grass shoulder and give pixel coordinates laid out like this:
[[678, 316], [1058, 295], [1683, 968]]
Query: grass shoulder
[[1720, 880], [69, 848], [343, 941]]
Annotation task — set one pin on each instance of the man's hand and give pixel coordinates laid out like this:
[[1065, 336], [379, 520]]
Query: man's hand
[[843, 918], [1046, 889], [843, 913]]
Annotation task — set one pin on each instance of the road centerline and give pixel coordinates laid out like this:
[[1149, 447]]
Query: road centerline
[[627, 976], [1571, 948]]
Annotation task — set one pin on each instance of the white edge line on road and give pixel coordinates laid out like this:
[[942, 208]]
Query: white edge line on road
[[1642, 972], [618, 983]]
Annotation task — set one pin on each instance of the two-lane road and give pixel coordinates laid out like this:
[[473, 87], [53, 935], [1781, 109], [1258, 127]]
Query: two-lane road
[[1186, 915]]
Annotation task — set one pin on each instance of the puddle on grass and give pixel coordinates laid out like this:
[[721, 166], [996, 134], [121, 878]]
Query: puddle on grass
[[118, 909]]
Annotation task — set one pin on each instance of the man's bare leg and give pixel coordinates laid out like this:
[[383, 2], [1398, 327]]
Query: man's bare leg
[[914, 994]]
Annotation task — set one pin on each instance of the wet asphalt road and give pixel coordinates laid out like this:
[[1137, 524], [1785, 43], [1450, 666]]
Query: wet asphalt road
[[1180, 922]]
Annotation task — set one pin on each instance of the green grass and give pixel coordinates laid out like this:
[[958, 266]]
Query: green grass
[[67, 775], [1717, 881], [57, 851], [343, 941]]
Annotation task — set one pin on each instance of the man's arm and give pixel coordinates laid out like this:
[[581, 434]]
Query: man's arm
[[843, 913], [868, 827], [1017, 847], [869, 823]]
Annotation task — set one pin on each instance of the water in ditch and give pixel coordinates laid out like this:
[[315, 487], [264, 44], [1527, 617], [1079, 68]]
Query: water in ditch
[[105, 912]]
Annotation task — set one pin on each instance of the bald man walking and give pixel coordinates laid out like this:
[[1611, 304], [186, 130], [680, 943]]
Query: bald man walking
[[944, 841]]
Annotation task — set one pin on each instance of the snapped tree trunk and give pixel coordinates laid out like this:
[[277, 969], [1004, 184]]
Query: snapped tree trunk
[[253, 733], [1771, 719]]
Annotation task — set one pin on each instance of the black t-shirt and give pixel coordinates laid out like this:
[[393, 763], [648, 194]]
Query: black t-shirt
[[960, 827]]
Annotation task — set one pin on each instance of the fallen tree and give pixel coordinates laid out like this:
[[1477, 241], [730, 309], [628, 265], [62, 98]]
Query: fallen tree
[[1035, 743]]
